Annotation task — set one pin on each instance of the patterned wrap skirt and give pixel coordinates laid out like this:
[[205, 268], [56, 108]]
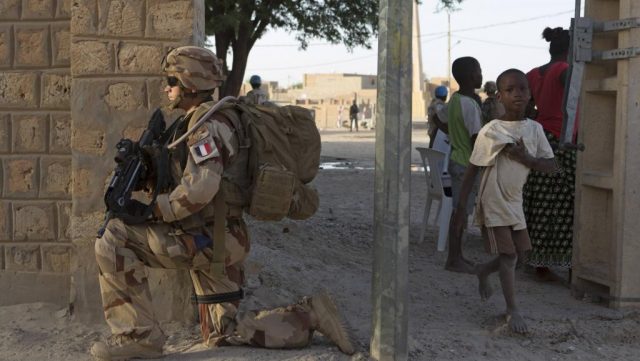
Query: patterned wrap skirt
[[548, 208]]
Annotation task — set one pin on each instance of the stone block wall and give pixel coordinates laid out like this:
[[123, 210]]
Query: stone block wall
[[75, 77], [35, 151]]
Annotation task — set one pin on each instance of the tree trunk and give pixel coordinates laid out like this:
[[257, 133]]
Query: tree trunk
[[236, 76], [223, 40], [241, 47]]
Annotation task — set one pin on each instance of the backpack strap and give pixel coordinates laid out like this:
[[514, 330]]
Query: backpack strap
[[219, 234], [202, 119]]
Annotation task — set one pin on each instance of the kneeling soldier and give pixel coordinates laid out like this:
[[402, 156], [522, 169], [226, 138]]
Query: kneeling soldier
[[180, 237]]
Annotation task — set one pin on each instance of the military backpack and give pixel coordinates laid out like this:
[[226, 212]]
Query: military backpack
[[279, 153]]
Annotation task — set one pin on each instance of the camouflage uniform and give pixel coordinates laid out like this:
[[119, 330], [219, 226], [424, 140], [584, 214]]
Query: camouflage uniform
[[180, 238], [124, 251]]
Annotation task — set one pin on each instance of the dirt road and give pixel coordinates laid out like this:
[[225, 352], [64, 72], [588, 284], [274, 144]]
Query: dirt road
[[334, 250]]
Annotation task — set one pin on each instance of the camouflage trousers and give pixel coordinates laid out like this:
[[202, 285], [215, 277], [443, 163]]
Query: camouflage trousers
[[124, 252]]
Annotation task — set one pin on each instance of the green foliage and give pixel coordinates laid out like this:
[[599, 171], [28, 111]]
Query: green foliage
[[352, 23], [448, 5], [237, 25]]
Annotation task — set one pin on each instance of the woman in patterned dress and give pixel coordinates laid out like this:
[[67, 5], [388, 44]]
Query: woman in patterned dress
[[548, 198]]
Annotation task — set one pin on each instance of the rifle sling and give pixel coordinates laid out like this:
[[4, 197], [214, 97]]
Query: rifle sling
[[168, 134], [218, 297], [219, 235]]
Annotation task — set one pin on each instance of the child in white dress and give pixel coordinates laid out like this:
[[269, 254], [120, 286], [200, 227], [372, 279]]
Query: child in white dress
[[505, 150]]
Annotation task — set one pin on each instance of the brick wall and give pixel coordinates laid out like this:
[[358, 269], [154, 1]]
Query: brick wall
[[75, 77], [35, 152]]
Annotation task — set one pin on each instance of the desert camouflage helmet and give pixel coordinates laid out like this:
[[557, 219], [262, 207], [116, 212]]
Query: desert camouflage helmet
[[196, 68]]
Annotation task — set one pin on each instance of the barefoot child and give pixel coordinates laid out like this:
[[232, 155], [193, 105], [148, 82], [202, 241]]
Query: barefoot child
[[506, 150], [461, 119]]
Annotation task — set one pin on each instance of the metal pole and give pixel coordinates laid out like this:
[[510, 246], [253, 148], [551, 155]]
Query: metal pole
[[573, 83], [392, 182], [449, 50]]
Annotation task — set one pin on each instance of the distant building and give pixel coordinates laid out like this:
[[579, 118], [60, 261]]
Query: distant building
[[326, 94]]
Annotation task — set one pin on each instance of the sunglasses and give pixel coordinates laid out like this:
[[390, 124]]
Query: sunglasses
[[172, 81]]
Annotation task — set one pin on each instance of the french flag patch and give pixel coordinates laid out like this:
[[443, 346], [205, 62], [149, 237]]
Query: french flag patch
[[204, 149]]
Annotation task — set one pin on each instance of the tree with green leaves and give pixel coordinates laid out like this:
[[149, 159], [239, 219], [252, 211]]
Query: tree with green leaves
[[237, 25]]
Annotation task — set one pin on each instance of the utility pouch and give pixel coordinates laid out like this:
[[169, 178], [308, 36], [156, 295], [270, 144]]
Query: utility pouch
[[272, 193]]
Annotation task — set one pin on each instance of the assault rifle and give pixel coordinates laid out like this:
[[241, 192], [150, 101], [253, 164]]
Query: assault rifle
[[136, 162]]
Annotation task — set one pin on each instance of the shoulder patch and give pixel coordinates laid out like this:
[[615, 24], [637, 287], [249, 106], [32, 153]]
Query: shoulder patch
[[204, 149], [198, 135]]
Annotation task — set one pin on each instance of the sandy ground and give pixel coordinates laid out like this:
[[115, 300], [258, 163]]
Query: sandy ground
[[333, 250]]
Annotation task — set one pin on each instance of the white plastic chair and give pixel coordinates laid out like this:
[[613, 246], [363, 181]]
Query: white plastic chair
[[433, 162]]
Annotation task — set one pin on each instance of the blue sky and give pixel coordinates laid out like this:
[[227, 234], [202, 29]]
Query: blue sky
[[501, 34]]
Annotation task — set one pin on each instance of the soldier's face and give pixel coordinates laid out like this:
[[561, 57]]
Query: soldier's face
[[172, 92]]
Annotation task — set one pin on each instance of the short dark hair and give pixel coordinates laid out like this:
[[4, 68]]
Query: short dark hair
[[558, 39], [507, 72], [462, 67]]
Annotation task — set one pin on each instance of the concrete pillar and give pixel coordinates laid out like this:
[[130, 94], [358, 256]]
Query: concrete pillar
[[116, 50], [607, 231], [392, 182]]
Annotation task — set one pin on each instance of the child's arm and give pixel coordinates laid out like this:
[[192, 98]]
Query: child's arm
[[460, 210], [442, 126], [518, 152]]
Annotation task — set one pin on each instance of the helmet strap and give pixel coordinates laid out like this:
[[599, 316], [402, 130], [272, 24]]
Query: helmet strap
[[198, 94], [184, 95]]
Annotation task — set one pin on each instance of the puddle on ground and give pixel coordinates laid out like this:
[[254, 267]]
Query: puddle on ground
[[343, 165], [346, 165]]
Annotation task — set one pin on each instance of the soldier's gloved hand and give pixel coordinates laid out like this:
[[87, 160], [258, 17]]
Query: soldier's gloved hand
[[154, 151], [159, 160], [136, 208]]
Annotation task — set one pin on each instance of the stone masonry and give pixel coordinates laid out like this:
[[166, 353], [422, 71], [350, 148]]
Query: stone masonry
[[35, 151], [75, 77]]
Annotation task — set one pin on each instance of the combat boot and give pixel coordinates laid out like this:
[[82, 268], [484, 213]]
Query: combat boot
[[125, 347], [326, 319]]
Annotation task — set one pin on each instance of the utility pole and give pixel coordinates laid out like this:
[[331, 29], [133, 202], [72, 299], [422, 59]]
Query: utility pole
[[449, 50], [419, 99], [392, 183]]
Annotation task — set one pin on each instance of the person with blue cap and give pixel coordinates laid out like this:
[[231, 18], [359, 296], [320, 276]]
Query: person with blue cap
[[440, 96], [256, 95]]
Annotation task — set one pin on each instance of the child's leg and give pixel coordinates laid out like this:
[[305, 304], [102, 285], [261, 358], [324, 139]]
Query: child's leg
[[455, 259], [483, 272], [507, 281], [506, 243]]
